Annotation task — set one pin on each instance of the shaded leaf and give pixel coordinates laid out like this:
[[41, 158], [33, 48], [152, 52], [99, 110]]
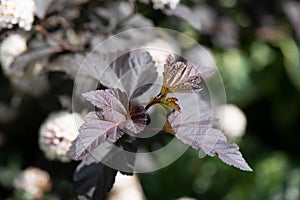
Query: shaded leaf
[[93, 180], [137, 72], [105, 182], [97, 66], [132, 72], [41, 7], [138, 119], [124, 155], [70, 64], [44, 7], [24, 61], [183, 77]]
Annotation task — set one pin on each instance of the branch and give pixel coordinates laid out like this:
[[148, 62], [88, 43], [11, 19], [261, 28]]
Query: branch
[[65, 46]]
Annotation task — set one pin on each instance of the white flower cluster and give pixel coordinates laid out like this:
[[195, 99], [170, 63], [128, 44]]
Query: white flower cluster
[[16, 12], [232, 121], [161, 4], [126, 187], [159, 49], [10, 48], [57, 133], [22, 81], [33, 181]]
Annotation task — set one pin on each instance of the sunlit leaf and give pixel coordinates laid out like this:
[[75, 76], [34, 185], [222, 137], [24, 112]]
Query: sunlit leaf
[[183, 77], [93, 132], [194, 128], [113, 116], [114, 103]]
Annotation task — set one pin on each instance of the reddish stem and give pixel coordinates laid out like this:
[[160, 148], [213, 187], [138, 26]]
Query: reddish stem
[[65, 46]]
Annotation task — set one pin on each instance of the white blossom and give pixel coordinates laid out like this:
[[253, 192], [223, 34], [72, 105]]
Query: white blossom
[[126, 187], [16, 12], [33, 181], [10, 48], [159, 49], [232, 121], [161, 4], [57, 133]]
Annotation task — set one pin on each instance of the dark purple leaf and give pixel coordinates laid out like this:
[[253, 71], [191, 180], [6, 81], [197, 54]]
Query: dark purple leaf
[[105, 182], [136, 72], [113, 116], [194, 127], [93, 132], [24, 61], [97, 66], [93, 180], [123, 157], [114, 104], [138, 119], [70, 64], [132, 72]]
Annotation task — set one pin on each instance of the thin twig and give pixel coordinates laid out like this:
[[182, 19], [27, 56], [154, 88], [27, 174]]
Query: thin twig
[[155, 100], [65, 46]]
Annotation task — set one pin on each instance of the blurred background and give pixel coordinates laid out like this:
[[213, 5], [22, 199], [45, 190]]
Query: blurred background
[[255, 45]]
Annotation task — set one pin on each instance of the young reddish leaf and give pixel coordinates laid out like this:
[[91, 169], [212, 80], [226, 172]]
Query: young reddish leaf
[[183, 77], [168, 128], [171, 102]]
